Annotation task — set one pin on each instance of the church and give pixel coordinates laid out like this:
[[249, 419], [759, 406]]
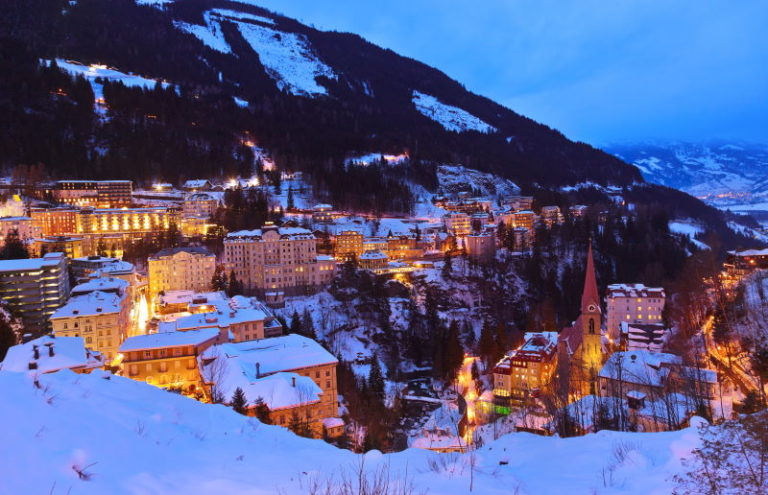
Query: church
[[580, 346]]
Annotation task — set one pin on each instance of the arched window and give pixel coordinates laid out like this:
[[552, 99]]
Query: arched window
[[591, 326]]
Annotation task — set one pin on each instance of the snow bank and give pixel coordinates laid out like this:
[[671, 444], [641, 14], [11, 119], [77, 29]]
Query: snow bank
[[451, 118], [129, 437]]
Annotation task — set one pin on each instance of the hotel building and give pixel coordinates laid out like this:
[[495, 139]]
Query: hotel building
[[273, 258]]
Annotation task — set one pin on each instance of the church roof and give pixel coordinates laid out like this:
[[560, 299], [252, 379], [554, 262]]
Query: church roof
[[589, 294]]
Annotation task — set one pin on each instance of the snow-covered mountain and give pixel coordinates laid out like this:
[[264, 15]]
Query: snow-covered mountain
[[721, 173]]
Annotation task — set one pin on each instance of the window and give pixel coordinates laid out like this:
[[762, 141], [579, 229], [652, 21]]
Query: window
[[592, 326]]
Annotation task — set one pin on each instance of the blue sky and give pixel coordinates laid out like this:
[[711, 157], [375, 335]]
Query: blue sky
[[599, 70]]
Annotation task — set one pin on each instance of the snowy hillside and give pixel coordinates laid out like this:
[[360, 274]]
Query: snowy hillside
[[287, 57], [451, 118], [96, 434], [720, 173], [95, 72]]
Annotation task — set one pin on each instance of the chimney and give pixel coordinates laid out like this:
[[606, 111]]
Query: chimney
[[36, 352], [50, 350], [293, 381], [258, 370]]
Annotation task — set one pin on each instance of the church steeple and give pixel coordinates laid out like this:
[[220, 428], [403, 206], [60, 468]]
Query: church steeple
[[590, 301], [591, 320]]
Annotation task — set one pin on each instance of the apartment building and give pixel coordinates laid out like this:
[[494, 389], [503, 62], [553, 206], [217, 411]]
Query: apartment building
[[169, 359], [182, 268], [200, 204], [55, 221], [101, 318], [34, 288], [94, 193], [457, 223], [523, 219], [294, 376], [634, 304], [349, 244], [282, 258], [525, 371]]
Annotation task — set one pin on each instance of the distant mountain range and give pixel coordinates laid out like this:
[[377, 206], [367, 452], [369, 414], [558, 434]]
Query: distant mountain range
[[724, 174]]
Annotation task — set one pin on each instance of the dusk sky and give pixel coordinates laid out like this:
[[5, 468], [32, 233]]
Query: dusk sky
[[600, 71]]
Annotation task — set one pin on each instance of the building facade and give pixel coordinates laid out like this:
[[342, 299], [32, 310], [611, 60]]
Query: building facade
[[633, 304], [348, 245], [35, 288], [101, 318], [55, 221], [480, 247], [275, 258], [169, 360], [182, 268], [25, 228], [527, 370], [94, 193]]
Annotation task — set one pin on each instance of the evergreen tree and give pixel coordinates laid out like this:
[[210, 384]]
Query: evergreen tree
[[14, 248], [235, 287], [447, 265], [307, 326], [239, 401], [219, 281], [295, 324], [290, 204], [8, 337], [262, 411], [454, 353], [376, 380], [487, 344]]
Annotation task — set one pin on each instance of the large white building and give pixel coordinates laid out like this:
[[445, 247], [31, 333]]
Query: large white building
[[634, 304], [283, 259]]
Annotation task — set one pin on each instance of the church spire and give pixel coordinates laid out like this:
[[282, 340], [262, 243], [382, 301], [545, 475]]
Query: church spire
[[589, 294]]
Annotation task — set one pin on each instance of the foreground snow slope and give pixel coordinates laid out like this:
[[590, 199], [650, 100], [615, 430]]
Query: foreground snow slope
[[128, 437]]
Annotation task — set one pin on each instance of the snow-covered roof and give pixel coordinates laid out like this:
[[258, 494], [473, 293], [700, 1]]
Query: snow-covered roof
[[188, 296], [284, 232], [68, 353], [278, 391], [198, 250], [373, 254], [116, 267], [108, 284], [640, 367], [15, 219], [195, 183], [634, 290], [539, 341], [169, 339], [286, 353], [31, 264], [220, 318], [750, 252], [92, 303]]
